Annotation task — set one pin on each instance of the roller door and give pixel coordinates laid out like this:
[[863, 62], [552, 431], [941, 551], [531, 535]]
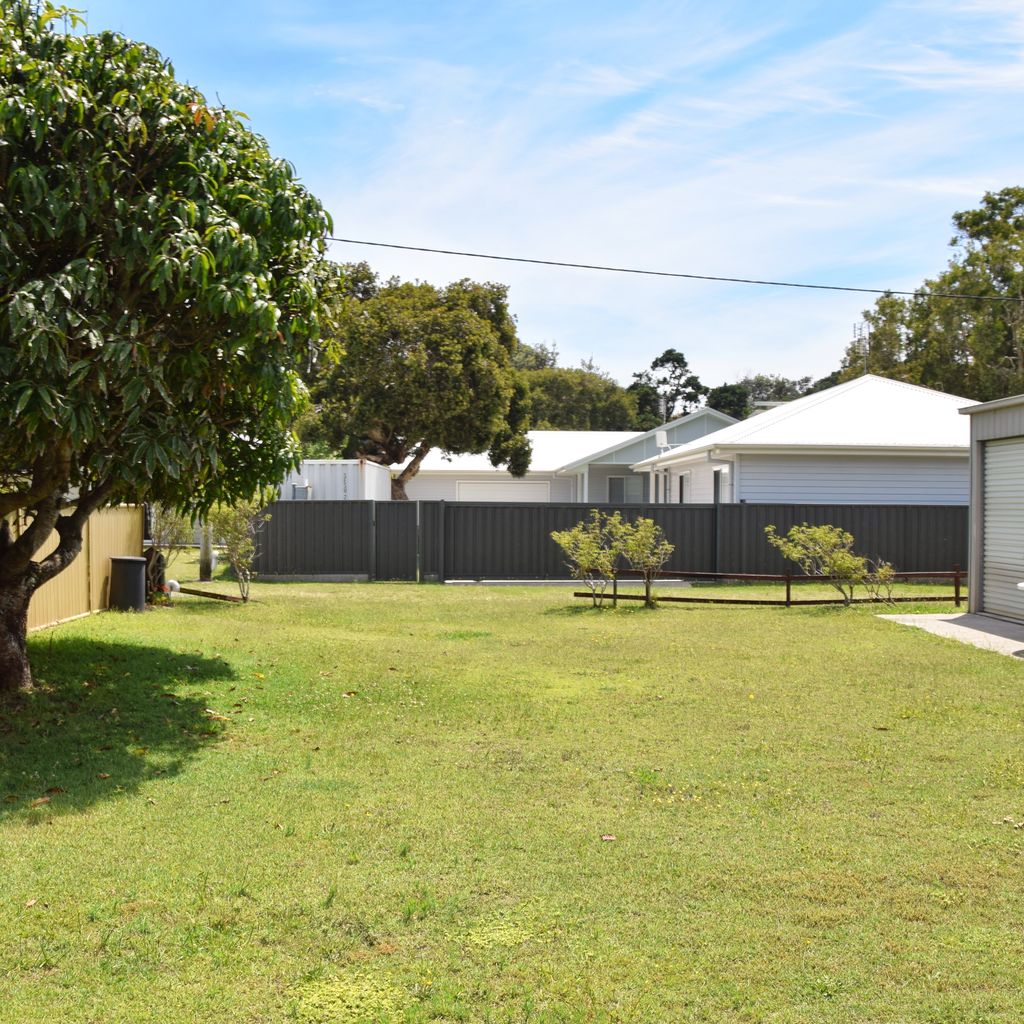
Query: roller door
[[1003, 531], [503, 490]]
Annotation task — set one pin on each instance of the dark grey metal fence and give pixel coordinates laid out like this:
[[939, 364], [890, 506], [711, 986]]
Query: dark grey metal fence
[[491, 540]]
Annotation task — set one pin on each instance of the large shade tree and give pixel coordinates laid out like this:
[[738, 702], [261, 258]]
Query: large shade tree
[[158, 273], [424, 368]]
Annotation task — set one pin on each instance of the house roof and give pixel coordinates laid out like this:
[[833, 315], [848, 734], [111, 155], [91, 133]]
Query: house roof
[[597, 456], [552, 449], [867, 414]]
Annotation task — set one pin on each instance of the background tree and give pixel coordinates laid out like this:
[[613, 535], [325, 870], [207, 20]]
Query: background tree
[[732, 399], [773, 387], [157, 298], [666, 391], [423, 368], [680, 387], [946, 338], [566, 399], [535, 357]]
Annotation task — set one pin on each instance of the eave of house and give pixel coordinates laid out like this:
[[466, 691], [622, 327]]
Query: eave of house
[[709, 453]]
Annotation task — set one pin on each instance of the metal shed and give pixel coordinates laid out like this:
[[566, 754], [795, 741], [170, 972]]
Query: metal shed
[[997, 508]]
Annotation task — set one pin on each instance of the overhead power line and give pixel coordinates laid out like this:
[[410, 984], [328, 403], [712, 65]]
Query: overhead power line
[[668, 273]]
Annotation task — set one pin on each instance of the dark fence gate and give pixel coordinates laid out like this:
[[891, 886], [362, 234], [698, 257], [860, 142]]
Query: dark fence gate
[[491, 540]]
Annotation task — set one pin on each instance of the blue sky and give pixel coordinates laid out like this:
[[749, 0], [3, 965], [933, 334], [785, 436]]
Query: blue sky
[[824, 142]]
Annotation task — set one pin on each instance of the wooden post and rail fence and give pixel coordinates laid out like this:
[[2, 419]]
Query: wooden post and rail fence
[[956, 575]]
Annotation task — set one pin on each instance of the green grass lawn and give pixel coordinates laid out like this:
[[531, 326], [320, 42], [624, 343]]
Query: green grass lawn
[[402, 804]]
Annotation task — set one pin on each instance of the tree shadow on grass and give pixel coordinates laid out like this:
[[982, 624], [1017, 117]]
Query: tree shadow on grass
[[104, 717]]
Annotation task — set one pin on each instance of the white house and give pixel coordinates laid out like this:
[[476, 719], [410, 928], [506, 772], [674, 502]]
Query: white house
[[567, 465], [869, 441], [997, 508]]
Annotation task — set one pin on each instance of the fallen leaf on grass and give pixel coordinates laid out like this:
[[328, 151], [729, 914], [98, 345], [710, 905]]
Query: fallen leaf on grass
[[31, 903], [103, 775], [216, 715], [11, 798], [53, 790], [607, 838], [39, 801], [350, 693]]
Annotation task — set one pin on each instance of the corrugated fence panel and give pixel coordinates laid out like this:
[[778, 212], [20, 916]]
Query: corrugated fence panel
[[316, 538], [82, 587], [914, 538], [492, 540], [431, 514], [112, 532], [395, 544]]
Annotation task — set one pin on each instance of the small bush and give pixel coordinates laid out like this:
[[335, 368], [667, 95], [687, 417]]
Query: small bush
[[595, 548], [823, 551], [236, 526], [592, 550]]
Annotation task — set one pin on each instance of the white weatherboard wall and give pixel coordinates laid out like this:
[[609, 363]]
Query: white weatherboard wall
[[339, 480], [854, 479]]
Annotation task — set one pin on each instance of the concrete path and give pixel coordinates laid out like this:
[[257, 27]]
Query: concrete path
[[980, 630]]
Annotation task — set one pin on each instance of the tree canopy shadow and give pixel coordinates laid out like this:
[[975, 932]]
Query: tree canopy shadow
[[104, 718]]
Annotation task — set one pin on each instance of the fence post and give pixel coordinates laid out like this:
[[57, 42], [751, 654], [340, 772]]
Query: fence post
[[789, 582], [419, 543], [371, 569], [956, 585], [442, 553], [615, 590]]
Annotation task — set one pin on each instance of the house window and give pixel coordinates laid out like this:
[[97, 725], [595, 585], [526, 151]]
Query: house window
[[623, 490]]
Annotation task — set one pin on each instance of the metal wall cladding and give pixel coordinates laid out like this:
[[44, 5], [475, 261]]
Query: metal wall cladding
[[495, 540], [914, 538], [316, 538], [395, 543], [83, 586]]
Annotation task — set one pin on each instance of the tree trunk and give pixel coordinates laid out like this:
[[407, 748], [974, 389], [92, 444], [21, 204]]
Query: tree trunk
[[15, 674], [398, 482], [205, 552]]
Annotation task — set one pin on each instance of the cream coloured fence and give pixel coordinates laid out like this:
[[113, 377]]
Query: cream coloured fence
[[84, 585]]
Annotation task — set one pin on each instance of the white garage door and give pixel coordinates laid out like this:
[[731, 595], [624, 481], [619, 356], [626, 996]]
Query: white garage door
[[1003, 531], [503, 490]]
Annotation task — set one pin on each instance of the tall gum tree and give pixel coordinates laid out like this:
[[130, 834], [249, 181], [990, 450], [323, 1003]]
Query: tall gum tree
[[158, 295]]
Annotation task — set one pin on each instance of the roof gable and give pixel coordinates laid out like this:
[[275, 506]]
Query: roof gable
[[870, 412], [699, 422]]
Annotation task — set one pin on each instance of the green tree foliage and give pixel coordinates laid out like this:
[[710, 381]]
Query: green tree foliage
[[158, 272], [772, 387], [967, 346], [667, 390], [645, 549], [822, 551], [236, 526], [732, 399], [592, 551], [535, 357], [423, 368], [596, 548], [566, 399]]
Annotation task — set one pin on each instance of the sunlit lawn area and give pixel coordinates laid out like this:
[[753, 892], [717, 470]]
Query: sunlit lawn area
[[398, 803]]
